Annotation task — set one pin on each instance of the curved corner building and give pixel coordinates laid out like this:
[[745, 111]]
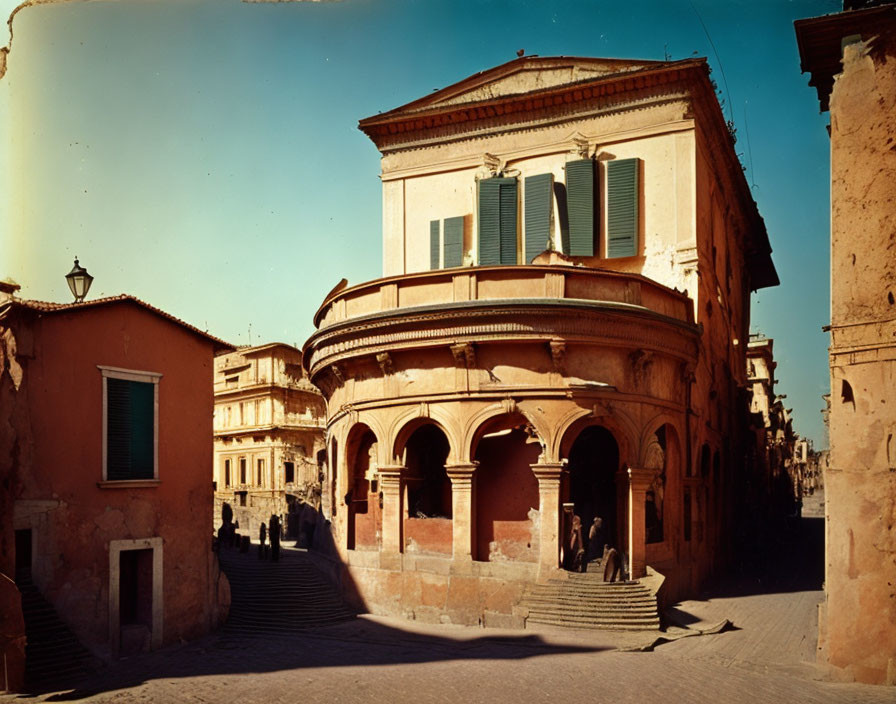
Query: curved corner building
[[569, 247]]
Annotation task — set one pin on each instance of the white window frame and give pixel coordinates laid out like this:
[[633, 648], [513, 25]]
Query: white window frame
[[131, 375]]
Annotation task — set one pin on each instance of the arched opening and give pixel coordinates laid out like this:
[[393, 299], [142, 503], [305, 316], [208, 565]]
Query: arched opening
[[593, 464], [506, 490], [428, 492], [362, 499]]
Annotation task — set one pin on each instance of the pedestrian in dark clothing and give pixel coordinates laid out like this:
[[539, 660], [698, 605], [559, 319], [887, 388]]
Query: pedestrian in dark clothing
[[262, 536], [274, 533]]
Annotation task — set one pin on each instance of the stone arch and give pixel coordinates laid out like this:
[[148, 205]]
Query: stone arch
[[594, 489], [662, 452], [479, 420], [428, 518], [364, 517], [407, 423], [617, 422], [506, 494]]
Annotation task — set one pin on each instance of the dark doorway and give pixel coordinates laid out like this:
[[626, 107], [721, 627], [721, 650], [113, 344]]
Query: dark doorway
[[135, 587], [593, 463], [23, 549]]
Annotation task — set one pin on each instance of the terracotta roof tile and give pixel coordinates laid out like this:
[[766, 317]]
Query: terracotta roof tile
[[51, 307]]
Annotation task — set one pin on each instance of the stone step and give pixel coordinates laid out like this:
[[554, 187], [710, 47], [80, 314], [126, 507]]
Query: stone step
[[596, 625]]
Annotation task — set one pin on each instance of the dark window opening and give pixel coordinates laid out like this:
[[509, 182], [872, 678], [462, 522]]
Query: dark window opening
[[846, 394], [242, 470], [429, 489], [289, 472], [242, 497], [226, 473]]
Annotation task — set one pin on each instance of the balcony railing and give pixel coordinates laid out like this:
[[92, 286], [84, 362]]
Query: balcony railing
[[497, 283]]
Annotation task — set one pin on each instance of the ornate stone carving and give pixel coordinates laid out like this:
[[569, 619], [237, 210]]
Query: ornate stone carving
[[492, 163], [602, 410], [423, 410], [558, 355], [508, 404], [384, 359], [640, 361], [337, 372], [464, 355]]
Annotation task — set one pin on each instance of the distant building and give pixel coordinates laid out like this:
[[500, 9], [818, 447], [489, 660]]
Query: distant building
[[269, 431], [105, 415], [852, 60], [569, 246], [773, 478]]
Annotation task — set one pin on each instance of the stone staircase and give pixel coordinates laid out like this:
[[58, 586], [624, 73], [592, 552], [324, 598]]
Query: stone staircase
[[584, 600], [278, 597], [54, 658]]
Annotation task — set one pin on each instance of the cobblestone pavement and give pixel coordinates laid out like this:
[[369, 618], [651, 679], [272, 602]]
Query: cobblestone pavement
[[768, 658]]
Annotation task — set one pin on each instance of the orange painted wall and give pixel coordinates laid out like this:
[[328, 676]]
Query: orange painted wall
[[65, 390]]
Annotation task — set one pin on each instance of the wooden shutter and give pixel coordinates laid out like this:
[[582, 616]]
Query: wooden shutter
[[497, 221], [130, 430], [580, 207], [622, 207], [454, 241], [434, 244], [539, 199]]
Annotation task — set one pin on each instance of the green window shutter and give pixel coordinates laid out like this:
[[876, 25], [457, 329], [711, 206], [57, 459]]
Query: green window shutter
[[130, 431], [580, 207], [433, 244], [622, 207], [454, 241], [539, 199], [497, 221]]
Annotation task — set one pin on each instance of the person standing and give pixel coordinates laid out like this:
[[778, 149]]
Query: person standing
[[262, 535], [274, 533]]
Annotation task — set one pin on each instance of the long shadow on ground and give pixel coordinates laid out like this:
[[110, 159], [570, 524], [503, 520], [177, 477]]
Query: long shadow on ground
[[253, 641]]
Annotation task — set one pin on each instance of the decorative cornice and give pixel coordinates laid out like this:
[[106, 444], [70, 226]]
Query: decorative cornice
[[537, 320]]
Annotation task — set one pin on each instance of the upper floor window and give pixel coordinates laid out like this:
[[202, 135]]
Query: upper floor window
[[243, 471], [498, 199], [226, 473], [130, 424]]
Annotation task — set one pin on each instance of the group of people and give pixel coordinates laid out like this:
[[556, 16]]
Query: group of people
[[596, 551]]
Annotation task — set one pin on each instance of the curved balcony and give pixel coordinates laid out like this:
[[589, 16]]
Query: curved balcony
[[480, 304]]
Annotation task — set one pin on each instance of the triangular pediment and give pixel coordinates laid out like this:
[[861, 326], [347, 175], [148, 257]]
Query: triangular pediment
[[524, 75]]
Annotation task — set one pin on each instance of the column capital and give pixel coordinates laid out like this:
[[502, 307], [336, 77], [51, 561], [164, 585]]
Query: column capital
[[460, 470], [390, 475], [640, 478], [547, 471]]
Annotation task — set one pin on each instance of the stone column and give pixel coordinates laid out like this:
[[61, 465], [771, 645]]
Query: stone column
[[548, 475], [638, 482], [462, 528], [390, 485]]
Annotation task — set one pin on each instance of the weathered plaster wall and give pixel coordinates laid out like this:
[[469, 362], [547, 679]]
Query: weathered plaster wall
[[72, 517], [858, 625]]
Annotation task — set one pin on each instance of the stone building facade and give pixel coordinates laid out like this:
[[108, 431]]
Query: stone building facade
[[772, 477], [105, 415], [852, 60], [569, 246], [269, 431]]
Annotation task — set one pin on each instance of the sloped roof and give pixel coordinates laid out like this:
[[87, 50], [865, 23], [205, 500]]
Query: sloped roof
[[48, 307]]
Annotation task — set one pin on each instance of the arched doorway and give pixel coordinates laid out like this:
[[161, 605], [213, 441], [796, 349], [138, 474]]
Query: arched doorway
[[428, 497], [593, 464], [505, 490], [362, 498]]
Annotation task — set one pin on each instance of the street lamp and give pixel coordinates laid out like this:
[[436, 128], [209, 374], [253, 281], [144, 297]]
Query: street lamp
[[79, 281]]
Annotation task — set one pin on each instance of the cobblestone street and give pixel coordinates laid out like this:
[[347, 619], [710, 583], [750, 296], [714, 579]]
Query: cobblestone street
[[765, 658]]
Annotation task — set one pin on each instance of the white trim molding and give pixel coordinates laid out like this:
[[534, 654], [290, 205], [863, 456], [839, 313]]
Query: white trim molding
[[116, 547]]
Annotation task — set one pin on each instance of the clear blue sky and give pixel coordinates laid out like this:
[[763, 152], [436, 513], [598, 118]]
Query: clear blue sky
[[204, 154]]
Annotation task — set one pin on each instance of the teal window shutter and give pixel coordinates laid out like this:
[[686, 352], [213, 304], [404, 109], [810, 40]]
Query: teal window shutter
[[130, 430], [497, 221], [539, 200], [434, 244], [580, 207], [454, 241], [622, 207]]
